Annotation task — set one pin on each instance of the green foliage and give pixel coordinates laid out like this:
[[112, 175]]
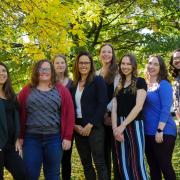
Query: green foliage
[[35, 29]]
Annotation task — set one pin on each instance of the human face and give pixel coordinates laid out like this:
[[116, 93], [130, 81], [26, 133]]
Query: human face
[[59, 65], [45, 72], [84, 65], [126, 66], [106, 54], [176, 60], [3, 75], [153, 67]]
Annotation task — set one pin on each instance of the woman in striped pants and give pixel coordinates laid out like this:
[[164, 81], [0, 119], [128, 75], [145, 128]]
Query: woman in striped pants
[[127, 121]]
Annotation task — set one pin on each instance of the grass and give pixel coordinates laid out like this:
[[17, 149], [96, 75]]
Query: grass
[[77, 171]]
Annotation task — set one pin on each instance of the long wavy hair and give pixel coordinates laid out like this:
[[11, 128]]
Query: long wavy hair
[[65, 60], [113, 68], [7, 86], [76, 73], [163, 72], [122, 80], [172, 69], [35, 73]]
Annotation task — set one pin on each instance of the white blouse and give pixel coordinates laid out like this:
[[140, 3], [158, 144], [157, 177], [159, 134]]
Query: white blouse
[[78, 102]]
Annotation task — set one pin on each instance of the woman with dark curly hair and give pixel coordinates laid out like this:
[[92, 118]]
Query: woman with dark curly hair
[[175, 70], [127, 120], [160, 128]]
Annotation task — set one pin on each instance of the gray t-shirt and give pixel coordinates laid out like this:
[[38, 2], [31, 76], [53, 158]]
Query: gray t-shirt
[[43, 112]]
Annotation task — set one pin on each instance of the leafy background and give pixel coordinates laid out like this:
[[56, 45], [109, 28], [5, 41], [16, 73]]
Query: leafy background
[[34, 29]]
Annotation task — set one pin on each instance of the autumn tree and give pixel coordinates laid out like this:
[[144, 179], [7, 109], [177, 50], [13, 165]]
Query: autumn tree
[[35, 29]]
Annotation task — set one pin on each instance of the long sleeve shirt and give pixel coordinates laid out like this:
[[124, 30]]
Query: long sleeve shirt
[[67, 111], [157, 109]]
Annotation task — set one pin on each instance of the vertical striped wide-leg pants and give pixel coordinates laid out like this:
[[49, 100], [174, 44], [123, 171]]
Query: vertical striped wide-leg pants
[[130, 152]]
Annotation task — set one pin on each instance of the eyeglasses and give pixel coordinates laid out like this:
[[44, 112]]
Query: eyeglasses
[[84, 63], [44, 70], [176, 58]]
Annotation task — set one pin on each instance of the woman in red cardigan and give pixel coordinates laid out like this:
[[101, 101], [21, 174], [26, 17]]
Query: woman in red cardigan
[[47, 121]]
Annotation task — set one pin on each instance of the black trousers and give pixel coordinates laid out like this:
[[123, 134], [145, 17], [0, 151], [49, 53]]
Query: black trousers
[[110, 153], [159, 156], [66, 164], [92, 148], [10, 159]]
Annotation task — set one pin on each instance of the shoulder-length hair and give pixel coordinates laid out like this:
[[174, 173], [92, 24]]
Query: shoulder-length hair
[[163, 73], [172, 69], [76, 73], [132, 59], [113, 68], [35, 73], [7, 86], [65, 60]]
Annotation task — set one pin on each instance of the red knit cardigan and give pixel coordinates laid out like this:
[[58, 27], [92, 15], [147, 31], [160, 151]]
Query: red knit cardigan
[[67, 111]]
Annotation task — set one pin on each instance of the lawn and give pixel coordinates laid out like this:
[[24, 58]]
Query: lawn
[[77, 171]]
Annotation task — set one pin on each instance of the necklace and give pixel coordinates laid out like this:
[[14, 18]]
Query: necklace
[[152, 86], [103, 72]]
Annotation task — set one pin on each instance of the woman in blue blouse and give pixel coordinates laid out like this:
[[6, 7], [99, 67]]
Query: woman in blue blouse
[[160, 128]]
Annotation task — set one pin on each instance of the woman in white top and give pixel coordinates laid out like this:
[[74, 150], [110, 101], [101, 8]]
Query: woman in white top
[[90, 99]]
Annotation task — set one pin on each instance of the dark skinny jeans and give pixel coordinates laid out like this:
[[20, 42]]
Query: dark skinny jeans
[[159, 156], [92, 148], [10, 159]]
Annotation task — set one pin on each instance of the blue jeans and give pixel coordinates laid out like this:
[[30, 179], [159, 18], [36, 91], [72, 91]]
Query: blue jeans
[[42, 149]]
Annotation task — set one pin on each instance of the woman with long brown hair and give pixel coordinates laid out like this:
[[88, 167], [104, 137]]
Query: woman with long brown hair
[[47, 122], [127, 120], [90, 96], [160, 128], [109, 72], [9, 129]]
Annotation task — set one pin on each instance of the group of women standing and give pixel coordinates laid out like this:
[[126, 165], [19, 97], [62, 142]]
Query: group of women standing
[[112, 114]]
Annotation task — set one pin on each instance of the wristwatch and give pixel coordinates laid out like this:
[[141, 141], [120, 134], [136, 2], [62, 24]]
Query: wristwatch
[[159, 130]]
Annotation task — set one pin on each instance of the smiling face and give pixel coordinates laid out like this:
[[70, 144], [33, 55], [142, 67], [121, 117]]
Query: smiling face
[[60, 65], [84, 65], [126, 66], [176, 60], [106, 54], [153, 67], [45, 72], [3, 75]]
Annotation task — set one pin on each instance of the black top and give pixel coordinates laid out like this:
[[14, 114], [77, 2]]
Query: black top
[[126, 100], [9, 110], [69, 84], [9, 118], [110, 91]]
